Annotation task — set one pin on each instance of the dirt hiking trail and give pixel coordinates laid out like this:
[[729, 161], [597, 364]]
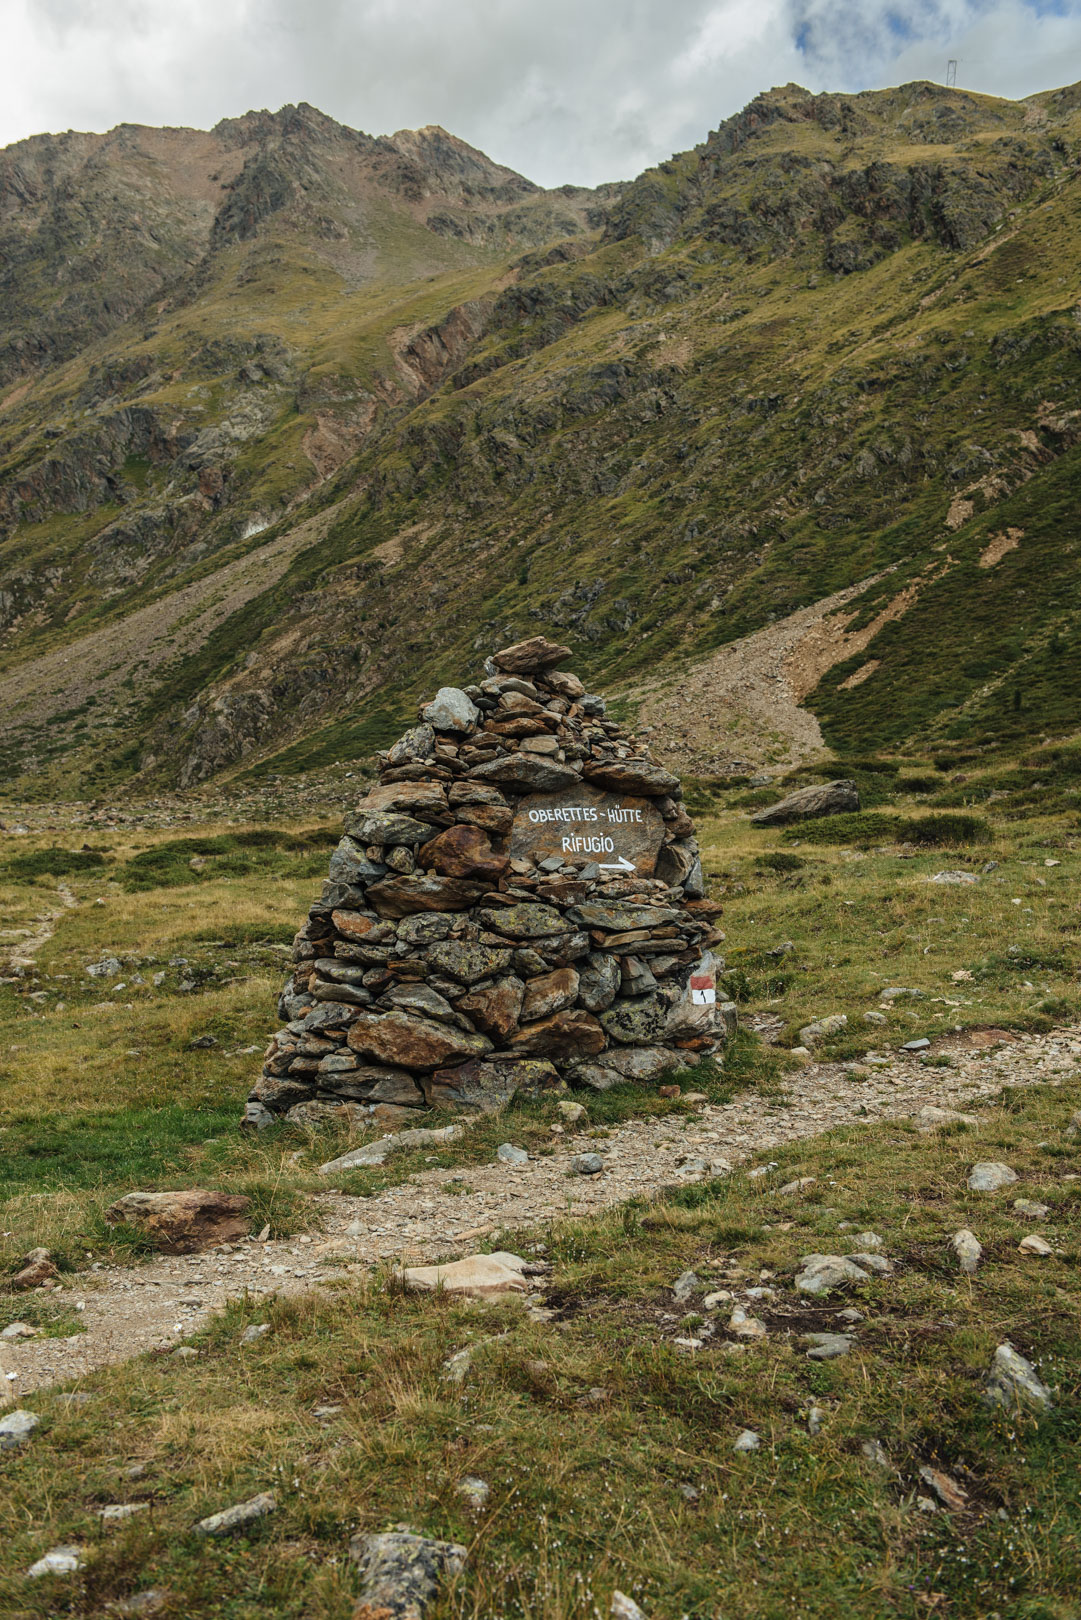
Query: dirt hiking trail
[[128, 1310]]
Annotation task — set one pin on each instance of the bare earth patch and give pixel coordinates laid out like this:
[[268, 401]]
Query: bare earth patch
[[742, 705], [999, 545]]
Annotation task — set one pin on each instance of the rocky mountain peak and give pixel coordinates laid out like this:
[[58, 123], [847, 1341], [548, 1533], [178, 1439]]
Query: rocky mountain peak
[[444, 158]]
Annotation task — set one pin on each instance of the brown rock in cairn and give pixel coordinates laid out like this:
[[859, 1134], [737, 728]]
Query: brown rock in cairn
[[517, 904]]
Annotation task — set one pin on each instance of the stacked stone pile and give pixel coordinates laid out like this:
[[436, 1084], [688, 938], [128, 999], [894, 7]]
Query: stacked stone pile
[[516, 905]]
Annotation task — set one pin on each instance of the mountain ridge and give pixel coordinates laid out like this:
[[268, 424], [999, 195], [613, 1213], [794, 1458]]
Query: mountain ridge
[[837, 340]]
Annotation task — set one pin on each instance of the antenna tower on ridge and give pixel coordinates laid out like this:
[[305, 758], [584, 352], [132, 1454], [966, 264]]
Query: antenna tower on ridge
[[951, 73]]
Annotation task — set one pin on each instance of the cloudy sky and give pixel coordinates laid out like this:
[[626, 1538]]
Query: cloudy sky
[[566, 90]]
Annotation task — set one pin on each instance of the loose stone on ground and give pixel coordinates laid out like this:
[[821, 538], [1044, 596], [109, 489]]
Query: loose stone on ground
[[402, 1572], [232, 1520]]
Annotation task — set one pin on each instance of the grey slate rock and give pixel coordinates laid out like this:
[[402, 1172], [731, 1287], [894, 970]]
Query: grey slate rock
[[968, 1249], [1013, 1381], [598, 983], [349, 865], [413, 748], [990, 1175], [823, 1272], [820, 799], [450, 710], [388, 827], [323, 1015], [58, 1561], [635, 1022], [817, 1031], [526, 773], [232, 1520], [401, 1572], [374, 1153], [685, 1285], [256, 1117], [108, 968], [827, 1346], [624, 1607], [16, 1428], [588, 1164], [419, 998]]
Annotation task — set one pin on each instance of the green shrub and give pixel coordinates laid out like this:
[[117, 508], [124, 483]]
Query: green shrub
[[945, 827], [261, 849], [778, 860], [55, 862], [863, 827], [1056, 1007], [1002, 967], [235, 935], [952, 762], [858, 827], [873, 767], [916, 784]]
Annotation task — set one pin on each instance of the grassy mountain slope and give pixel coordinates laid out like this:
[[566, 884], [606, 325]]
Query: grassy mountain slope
[[837, 341]]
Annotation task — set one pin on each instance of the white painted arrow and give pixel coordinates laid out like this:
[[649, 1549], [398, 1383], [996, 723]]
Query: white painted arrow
[[622, 865]]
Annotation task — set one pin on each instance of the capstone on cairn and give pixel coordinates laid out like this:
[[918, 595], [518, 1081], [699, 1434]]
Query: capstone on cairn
[[517, 904]]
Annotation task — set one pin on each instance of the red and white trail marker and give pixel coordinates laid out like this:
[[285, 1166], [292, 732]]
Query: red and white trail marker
[[703, 990]]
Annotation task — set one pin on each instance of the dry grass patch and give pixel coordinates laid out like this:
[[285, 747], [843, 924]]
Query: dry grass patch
[[606, 1447]]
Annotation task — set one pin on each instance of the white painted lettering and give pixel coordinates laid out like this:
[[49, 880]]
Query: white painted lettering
[[573, 812], [588, 844]]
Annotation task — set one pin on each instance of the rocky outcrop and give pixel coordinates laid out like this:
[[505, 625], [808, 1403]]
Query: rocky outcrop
[[734, 192], [517, 904]]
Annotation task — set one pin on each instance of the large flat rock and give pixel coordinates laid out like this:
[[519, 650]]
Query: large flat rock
[[587, 821], [183, 1222], [408, 1042]]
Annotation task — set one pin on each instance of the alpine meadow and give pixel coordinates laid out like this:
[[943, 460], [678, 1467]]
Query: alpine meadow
[[540, 830]]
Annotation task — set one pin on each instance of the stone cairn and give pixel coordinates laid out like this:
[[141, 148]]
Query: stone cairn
[[517, 904]]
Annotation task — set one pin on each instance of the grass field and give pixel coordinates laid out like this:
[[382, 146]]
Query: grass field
[[607, 1448], [101, 1090]]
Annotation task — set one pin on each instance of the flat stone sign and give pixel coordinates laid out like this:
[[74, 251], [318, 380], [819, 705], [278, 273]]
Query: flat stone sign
[[585, 825]]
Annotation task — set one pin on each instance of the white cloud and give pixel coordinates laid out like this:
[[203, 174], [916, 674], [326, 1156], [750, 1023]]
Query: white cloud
[[580, 90]]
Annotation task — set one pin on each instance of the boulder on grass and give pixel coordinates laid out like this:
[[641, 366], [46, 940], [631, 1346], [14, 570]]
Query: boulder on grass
[[820, 799], [37, 1267], [401, 1572], [478, 1275]]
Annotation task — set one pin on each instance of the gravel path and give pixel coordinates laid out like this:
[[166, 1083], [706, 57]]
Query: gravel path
[[19, 956], [155, 1306]]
